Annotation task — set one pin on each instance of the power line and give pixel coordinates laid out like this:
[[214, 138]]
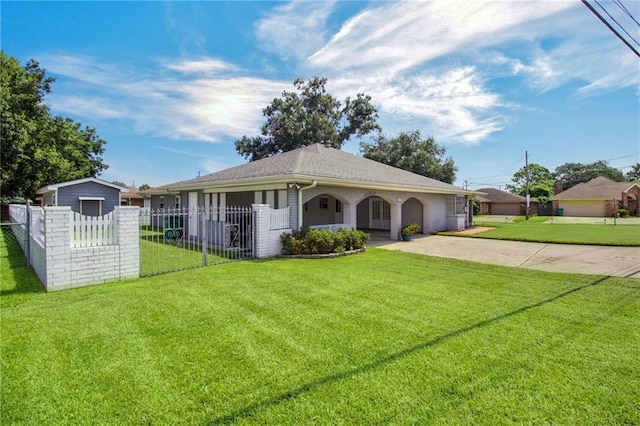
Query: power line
[[624, 9], [614, 20], [604, 21]]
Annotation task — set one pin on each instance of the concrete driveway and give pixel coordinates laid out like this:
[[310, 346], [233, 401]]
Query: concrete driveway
[[582, 259]]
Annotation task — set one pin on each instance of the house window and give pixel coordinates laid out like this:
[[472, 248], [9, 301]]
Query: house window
[[178, 201], [161, 204], [324, 203], [91, 206], [456, 205], [338, 206]]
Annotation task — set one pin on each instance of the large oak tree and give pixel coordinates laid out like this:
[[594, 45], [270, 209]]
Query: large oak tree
[[541, 182], [306, 116], [409, 151], [571, 174], [37, 148]]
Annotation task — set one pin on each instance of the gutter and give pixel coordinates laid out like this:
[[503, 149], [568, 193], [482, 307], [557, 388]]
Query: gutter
[[304, 188]]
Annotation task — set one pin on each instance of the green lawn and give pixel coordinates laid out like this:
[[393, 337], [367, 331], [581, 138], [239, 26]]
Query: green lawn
[[381, 337], [160, 256], [541, 229]]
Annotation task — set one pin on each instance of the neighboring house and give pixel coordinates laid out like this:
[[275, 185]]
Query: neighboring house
[[134, 197], [89, 196], [324, 186], [495, 201], [596, 198]]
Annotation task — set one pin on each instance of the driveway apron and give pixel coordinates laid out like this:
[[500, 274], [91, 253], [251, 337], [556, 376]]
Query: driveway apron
[[582, 259]]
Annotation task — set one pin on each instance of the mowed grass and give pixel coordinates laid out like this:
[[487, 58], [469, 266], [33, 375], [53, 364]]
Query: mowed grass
[[381, 337], [159, 256], [541, 229]]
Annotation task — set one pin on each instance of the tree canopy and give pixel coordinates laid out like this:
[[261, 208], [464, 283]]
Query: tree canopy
[[306, 116], [634, 173], [408, 151], [541, 182], [571, 174], [37, 148]]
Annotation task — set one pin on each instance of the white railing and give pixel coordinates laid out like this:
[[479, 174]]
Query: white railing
[[280, 218], [18, 213], [92, 231], [37, 225]]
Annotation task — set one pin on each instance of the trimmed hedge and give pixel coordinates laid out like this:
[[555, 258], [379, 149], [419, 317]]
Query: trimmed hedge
[[322, 241]]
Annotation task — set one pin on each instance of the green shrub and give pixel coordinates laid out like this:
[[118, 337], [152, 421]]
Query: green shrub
[[622, 212], [322, 241]]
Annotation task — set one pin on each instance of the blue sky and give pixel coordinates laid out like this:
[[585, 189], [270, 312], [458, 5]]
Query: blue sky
[[171, 85]]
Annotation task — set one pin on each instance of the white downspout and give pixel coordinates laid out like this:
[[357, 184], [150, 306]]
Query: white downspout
[[300, 207]]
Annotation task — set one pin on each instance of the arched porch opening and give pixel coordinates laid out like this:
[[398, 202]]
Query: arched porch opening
[[373, 213], [413, 212], [323, 209]]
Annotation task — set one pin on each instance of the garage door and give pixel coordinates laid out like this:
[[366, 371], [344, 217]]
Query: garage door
[[596, 208], [510, 209]]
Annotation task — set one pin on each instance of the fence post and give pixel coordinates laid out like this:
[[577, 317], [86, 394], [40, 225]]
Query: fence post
[[128, 240], [203, 236], [27, 228], [261, 227]]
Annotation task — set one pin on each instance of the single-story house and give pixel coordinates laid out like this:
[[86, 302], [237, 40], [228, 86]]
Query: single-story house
[[134, 197], [596, 198], [323, 186], [88, 196], [497, 202]]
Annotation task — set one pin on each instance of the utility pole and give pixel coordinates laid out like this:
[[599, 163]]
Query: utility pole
[[526, 168]]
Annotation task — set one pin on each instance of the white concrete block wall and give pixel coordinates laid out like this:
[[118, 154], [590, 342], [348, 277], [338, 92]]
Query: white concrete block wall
[[275, 245], [39, 260], [57, 244], [59, 266], [261, 229], [129, 241]]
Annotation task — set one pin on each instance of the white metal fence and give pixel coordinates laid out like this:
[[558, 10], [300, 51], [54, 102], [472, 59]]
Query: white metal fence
[[175, 239]]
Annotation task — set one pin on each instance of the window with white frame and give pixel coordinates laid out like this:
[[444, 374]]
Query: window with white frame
[[178, 201], [456, 204]]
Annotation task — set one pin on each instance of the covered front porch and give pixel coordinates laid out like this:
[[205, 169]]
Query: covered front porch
[[384, 212]]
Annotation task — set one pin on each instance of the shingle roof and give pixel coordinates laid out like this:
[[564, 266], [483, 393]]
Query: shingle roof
[[599, 188], [56, 186], [319, 162], [498, 196]]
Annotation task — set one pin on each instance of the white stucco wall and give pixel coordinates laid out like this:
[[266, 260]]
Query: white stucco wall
[[434, 212]]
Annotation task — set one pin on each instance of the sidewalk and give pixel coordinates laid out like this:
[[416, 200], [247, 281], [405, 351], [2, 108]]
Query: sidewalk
[[580, 259]]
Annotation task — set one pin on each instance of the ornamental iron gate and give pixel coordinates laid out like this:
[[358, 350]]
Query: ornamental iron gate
[[176, 239]]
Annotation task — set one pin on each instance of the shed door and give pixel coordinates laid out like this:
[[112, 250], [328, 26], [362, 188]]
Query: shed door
[[193, 214], [380, 213]]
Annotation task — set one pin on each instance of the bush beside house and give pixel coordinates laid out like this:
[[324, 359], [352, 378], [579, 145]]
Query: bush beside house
[[322, 241]]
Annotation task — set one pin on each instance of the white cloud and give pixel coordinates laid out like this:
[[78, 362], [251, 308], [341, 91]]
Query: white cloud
[[203, 100], [203, 66], [294, 30], [454, 102], [433, 61], [400, 35]]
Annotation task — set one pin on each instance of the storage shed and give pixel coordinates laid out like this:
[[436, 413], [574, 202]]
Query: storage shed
[[88, 196]]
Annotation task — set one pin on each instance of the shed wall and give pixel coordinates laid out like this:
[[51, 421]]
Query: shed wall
[[69, 196]]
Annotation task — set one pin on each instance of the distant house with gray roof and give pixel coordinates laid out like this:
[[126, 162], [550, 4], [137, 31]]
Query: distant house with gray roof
[[497, 202], [596, 198], [324, 186]]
